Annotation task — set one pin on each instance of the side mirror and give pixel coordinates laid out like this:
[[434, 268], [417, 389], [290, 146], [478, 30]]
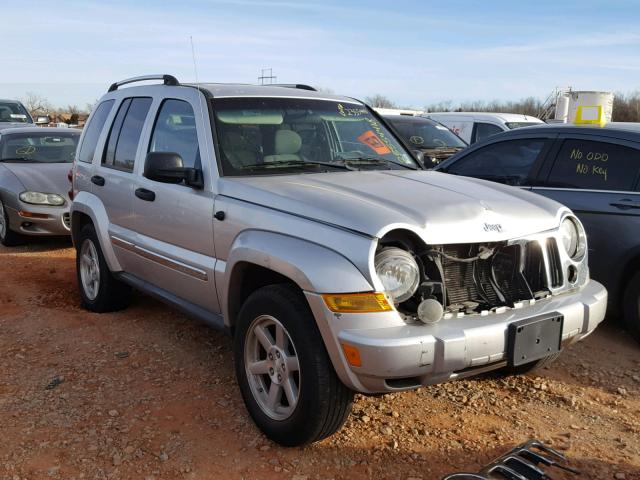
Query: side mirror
[[167, 167], [43, 120], [419, 156]]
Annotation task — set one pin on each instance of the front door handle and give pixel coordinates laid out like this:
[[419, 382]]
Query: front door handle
[[98, 180], [146, 195], [625, 204]]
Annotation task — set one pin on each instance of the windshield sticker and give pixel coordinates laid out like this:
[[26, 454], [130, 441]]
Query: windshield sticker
[[18, 115], [26, 150], [416, 140], [373, 141], [350, 111]]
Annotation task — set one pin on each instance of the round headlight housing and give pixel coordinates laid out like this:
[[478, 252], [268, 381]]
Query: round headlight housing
[[573, 237], [398, 272], [39, 198]]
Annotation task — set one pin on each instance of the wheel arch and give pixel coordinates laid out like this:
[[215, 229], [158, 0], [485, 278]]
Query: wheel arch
[[87, 208], [260, 258]]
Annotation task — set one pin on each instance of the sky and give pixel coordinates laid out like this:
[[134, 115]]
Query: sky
[[415, 52]]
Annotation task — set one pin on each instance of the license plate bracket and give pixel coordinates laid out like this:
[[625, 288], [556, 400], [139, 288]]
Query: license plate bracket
[[534, 338]]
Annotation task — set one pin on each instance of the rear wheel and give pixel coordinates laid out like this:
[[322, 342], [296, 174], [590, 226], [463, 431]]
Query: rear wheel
[[631, 306], [8, 237], [99, 290], [284, 372]]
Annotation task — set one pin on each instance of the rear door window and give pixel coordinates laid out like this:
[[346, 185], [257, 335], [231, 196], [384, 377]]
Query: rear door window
[[509, 162], [124, 136], [484, 130], [595, 165], [93, 130]]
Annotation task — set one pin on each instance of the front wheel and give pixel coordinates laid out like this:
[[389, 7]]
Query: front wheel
[[8, 237], [631, 306], [99, 290], [284, 372]]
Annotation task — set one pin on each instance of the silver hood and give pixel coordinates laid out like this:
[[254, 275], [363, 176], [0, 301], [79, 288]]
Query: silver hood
[[439, 207], [42, 177]]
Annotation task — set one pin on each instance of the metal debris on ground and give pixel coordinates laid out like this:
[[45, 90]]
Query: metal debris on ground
[[524, 462]]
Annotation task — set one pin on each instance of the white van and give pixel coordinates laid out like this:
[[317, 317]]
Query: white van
[[475, 126]]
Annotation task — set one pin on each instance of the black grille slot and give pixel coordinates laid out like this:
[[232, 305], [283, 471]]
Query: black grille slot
[[534, 270], [555, 267]]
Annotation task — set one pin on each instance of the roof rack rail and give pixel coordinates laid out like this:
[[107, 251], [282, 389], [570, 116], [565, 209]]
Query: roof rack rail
[[167, 79], [300, 86]]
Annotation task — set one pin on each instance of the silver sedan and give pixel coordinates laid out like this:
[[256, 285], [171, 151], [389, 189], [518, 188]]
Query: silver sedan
[[34, 198]]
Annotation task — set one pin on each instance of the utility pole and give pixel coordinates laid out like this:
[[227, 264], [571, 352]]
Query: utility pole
[[265, 79]]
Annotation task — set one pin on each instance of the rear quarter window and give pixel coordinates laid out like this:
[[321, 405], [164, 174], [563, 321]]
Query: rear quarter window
[[595, 165], [93, 130]]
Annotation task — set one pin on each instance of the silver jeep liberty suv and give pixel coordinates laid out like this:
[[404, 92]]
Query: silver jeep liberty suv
[[299, 223]]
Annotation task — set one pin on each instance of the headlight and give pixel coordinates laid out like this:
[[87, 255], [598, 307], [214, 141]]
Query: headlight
[[574, 239], [398, 272], [38, 198]]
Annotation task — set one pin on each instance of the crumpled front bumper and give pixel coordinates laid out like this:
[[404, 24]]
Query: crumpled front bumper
[[399, 356]]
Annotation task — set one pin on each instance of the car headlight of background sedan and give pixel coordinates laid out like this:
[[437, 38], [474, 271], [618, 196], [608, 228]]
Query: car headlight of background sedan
[[398, 272], [574, 238], [39, 198]]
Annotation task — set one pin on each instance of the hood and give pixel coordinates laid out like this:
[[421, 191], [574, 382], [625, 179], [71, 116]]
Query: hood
[[439, 207], [42, 177]]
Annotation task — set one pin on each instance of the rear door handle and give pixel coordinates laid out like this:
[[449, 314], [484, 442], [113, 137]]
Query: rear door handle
[[98, 180], [146, 195], [625, 204]]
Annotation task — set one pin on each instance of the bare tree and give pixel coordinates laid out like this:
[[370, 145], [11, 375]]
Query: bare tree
[[36, 104], [380, 101]]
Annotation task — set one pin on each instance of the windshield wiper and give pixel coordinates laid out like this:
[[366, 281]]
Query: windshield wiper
[[17, 159], [375, 161], [296, 163]]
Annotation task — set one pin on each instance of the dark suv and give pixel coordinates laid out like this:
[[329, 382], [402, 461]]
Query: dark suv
[[592, 170]]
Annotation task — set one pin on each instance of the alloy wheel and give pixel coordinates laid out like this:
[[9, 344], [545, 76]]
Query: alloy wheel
[[89, 269], [272, 367]]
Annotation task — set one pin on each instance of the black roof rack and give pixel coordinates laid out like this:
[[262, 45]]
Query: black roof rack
[[167, 79], [300, 86]]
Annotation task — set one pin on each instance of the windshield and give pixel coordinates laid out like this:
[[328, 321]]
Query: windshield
[[258, 136], [39, 147], [13, 112], [512, 125], [424, 133]]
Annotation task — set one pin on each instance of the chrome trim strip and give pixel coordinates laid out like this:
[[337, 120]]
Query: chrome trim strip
[[161, 259]]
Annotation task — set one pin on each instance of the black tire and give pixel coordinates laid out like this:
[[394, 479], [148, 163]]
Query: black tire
[[8, 237], [531, 367], [631, 306], [324, 403], [112, 294]]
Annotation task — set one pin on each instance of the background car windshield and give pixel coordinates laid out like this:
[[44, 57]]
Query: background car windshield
[[269, 135], [512, 125], [13, 113], [427, 134], [39, 147]]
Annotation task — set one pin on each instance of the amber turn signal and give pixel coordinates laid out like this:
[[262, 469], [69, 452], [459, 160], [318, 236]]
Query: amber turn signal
[[357, 302], [352, 354]]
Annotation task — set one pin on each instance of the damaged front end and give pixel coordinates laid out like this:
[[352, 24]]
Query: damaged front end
[[480, 278]]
